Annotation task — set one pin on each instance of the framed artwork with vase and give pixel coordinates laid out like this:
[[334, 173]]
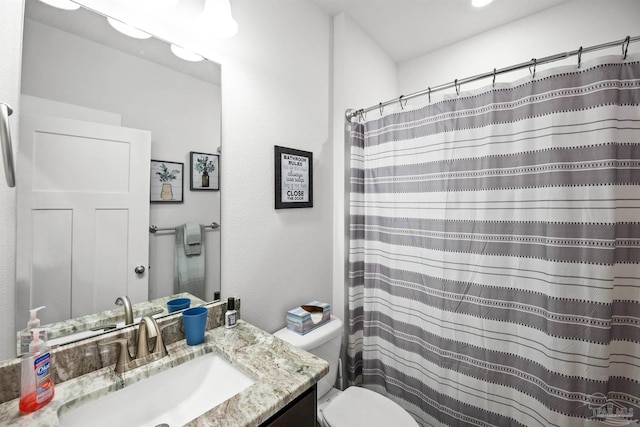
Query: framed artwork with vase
[[166, 182], [205, 171]]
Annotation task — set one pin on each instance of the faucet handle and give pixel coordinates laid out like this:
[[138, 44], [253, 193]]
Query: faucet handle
[[160, 347], [124, 357]]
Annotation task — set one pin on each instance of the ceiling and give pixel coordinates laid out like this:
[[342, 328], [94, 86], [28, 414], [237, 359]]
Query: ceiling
[[406, 29]]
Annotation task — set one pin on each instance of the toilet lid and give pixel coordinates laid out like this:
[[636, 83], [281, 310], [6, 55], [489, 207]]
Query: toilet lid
[[360, 407]]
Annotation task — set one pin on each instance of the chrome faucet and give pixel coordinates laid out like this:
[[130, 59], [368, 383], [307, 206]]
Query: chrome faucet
[[147, 329], [128, 309]]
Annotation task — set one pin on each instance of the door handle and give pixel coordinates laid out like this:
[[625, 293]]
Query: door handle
[[139, 270]]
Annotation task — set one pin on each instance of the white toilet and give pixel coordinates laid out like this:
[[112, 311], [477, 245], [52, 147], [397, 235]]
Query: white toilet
[[356, 406]]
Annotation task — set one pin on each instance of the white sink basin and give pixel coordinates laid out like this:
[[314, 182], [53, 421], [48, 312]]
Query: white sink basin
[[175, 396]]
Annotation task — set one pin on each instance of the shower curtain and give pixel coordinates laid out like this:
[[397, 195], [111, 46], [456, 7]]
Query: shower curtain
[[494, 252]]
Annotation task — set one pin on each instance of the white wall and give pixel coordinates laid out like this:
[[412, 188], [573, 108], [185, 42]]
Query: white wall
[[560, 29], [275, 91], [363, 75], [182, 112], [10, 52]]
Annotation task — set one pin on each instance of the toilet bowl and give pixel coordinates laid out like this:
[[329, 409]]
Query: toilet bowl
[[355, 406]]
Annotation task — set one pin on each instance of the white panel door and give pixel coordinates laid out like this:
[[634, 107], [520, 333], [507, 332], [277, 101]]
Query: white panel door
[[83, 216]]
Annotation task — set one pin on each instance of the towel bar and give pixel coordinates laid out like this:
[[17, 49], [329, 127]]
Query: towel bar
[[154, 228]]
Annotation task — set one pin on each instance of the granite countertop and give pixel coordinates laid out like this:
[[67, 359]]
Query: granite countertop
[[107, 318], [281, 373]]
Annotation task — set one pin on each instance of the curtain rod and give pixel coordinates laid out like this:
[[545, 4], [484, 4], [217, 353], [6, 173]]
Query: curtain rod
[[350, 113]]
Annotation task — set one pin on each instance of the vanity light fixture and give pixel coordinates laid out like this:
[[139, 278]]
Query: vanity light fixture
[[216, 20], [127, 29], [62, 4], [480, 3], [185, 54]]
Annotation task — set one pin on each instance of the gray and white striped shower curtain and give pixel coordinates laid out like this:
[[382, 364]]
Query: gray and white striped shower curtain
[[495, 250]]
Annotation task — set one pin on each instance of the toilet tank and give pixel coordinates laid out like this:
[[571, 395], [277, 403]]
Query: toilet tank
[[324, 342]]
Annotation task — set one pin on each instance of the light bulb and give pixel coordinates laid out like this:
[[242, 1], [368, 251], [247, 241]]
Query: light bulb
[[185, 54], [216, 20], [480, 3], [62, 4], [128, 30]]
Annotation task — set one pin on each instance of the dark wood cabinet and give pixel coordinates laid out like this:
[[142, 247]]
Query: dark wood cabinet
[[299, 413]]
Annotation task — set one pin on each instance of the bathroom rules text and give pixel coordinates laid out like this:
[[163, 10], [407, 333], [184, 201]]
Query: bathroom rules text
[[295, 178]]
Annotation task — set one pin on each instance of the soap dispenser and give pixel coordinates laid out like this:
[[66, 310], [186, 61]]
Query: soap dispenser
[[34, 322], [36, 384], [25, 334]]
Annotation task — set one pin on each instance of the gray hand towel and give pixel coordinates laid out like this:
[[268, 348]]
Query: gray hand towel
[[192, 238], [189, 270]]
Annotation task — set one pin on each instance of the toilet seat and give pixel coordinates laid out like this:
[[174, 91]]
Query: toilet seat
[[360, 407]]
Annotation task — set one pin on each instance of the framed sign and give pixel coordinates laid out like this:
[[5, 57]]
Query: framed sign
[[294, 178], [166, 182], [205, 173]]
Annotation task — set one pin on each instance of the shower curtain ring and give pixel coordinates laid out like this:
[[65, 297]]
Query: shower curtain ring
[[494, 78], [579, 56], [455, 83], [429, 94], [535, 62], [400, 100], [625, 47], [362, 114], [381, 108]]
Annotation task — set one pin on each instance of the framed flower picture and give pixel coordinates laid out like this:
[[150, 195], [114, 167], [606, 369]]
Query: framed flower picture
[[205, 171], [166, 182]]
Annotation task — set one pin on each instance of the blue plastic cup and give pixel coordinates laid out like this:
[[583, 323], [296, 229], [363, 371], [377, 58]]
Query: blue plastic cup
[[178, 304], [194, 321]]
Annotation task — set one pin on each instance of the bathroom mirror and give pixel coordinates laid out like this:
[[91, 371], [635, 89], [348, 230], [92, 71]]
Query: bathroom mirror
[[77, 66]]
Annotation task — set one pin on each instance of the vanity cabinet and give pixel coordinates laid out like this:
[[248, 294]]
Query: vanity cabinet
[[299, 413]]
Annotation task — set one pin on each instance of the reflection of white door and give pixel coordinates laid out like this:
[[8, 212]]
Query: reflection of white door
[[83, 216]]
